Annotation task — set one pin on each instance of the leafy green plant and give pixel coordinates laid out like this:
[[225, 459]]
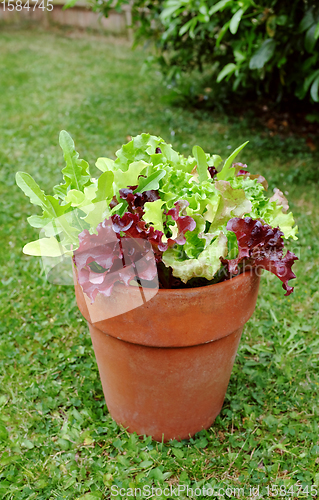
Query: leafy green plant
[[268, 48], [204, 225]]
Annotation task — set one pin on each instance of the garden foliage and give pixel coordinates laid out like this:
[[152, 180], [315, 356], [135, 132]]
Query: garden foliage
[[264, 47]]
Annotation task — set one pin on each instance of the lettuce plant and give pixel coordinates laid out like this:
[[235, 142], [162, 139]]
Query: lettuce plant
[[204, 220]]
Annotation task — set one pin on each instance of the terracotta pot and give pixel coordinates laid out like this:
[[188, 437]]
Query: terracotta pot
[[165, 366]]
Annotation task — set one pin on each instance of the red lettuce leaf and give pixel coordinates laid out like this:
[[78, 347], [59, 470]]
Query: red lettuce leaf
[[104, 258], [119, 252], [280, 199], [184, 222], [136, 201], [241, 169], [134, 227], [212, 171], [260, 245], [242, 172], [124, 247]]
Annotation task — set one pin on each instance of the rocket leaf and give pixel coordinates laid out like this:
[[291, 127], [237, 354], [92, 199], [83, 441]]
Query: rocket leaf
[[202, 166], [228, 171]]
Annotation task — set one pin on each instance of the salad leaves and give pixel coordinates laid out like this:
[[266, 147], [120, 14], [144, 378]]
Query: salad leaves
[[259, 245], [203, 220]]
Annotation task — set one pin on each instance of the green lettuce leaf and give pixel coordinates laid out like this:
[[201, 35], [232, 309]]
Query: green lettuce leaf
[[139, 148], [130, 176], [205, 266], [213, 160], [50, 205], [38, 221], [211, 207], [277, 218], [232, 203], [154, 214], [75, 197], [105, 164], [96, 213], [105, 189], [32, 190], [271, 212], [195, 244], [171, 156], [56, 218]]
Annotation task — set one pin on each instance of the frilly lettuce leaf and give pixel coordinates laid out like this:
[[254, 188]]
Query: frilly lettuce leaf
[[206, 265], [130, 176], [212, 204], [277, 218], [272, 212], [254, 192], [104, 189], [194, 243], [261, 246], [280, 200], [232, 202], [176, 182], [105, 164], [154, 214], [195, 204], [139, 148]]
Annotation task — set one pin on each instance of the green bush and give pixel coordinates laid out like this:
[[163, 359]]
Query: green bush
[[269, 48]]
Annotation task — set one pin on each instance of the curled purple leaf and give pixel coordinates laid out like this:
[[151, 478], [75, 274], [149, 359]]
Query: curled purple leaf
[[136, 201], [212, 171], [260, 245], [184, 222]]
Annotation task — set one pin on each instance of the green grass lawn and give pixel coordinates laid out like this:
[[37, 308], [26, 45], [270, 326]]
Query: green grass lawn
[[57, 440]]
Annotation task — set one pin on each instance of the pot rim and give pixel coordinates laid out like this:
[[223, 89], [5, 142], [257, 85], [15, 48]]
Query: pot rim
[[207, 301], [226, 283]]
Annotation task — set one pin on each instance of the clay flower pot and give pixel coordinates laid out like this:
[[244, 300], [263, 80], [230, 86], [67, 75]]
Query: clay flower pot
[[165, 366], [165, 357]]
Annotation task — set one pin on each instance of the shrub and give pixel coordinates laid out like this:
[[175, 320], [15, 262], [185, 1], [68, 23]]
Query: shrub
[[269, 48]]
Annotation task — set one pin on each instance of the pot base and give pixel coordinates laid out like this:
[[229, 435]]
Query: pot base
[[167, 393]]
